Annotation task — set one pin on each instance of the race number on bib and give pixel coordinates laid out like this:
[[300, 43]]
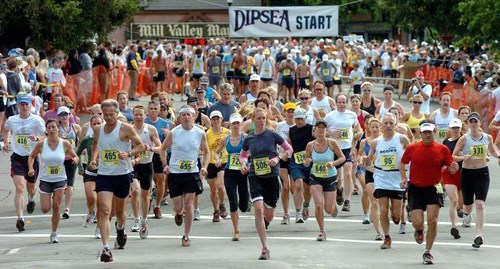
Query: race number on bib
[[22, 141], [442, 133], [215, 69], [306, 81], [261, 166], [388, 161], [54, 170], [326, 72], [197, 65], [344, 134], [286, 72], [478, 151], [299, 157], [336, 77], [110, 156], [320, 170], [439, 188], [186, 165], [267, 72], [234, 162]]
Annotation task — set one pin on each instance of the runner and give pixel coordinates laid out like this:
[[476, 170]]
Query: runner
[[20, 133], [311, 113], [324, 104], [368, 103], [452, 184], [158, 68], [53, 151], [260, 152], [112, 142], [424, 190], [184, 183], [299, 136], [472, 149], [266, 69], [215, 171], [283, 129], [415, 117], [70, 132], [143, 171], [387, 151], [235, 181], [324, 154], [324, 71], [214, 70], [251, 94], [443, 116], [197, 63], [287, 68], [388, 102]]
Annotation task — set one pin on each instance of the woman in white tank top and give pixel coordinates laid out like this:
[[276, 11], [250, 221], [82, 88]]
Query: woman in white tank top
[[52, 174]]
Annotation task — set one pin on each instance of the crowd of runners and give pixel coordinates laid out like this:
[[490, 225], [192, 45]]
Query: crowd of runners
[[277, 123]]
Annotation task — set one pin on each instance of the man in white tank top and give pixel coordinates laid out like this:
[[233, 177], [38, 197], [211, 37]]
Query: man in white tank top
[[443, 116], [112, 144], [387, 150], [186, 140], [321, 102]]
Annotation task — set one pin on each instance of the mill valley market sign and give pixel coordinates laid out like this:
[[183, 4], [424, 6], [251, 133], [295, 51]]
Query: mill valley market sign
[[150, 31]]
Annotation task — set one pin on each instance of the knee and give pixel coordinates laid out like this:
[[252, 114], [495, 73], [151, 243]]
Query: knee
[[479, 205], [134, 193], [45, 209], [56, 207], [318, 206]]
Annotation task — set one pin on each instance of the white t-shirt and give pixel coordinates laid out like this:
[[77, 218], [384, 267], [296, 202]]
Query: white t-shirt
[[427, 89], [283, 128], [497, 117], [356, 76], [21, 129], [344, 122], [496, 95]]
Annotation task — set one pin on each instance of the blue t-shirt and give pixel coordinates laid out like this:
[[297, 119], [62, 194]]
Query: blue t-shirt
[[160, 124], [228, 57], [209, 95], [263, 146], [225, 110], [128, 114]]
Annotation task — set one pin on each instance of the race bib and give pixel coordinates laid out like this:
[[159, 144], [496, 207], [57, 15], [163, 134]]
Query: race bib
[[267, 72], [478, 151], [442, 133], [336, 77], [186, 165], [234, 162], [344, 134], [354, 78], [143, 155], [261, 166], [306, 81], [178, 64], [54, 170], [110, 156], [22, 141], [155, 74], [286, 72], [439, 188], [326, 72], [299, 157], [320, 170], [388, 161], [197, 65], [215, 69]]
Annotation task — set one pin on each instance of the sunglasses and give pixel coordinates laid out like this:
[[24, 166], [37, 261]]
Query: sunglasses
[[418, 103], [367, 90], [70, 107], [304, 98], [63, 114]]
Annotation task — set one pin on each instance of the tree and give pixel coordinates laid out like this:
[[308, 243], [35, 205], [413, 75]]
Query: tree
[[62, 24], [480, 19]]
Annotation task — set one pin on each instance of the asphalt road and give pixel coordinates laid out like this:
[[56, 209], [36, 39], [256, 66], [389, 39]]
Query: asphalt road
[[350, 244]]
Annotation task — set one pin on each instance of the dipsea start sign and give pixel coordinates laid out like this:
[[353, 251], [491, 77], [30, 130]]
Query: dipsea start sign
[[283, 21]]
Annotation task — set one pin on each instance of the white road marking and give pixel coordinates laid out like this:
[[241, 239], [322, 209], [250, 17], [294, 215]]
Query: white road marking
[[13, 251], [327, 219], [284, 238]]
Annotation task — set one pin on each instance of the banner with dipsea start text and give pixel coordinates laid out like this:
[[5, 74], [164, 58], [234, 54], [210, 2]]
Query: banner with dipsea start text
[[283, 21]]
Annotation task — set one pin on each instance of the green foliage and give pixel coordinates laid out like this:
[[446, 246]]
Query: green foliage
[[63, 24], [480, 19]]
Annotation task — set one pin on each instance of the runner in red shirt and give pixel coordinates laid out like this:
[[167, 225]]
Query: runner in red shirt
[[425, 191]]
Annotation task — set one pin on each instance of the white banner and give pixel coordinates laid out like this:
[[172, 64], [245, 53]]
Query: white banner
[[283, 21]]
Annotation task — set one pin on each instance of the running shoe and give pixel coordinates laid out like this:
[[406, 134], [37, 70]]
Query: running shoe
[[419, 236], [178, 219], [20, 224], [356, 190], [427, 257], [65, 214], [121, 239], [236, 236], [216, 217], [94, 217], [386, 244], [266, 223], [402, 228], [379, 237], [299, 218], [30, 207], [455, 233], [366, 219], [305, 212], [106, 255], [340, 199], [396, 220], [467, 219], [164, 201], [347, 206], [185, 241], [285, 220], [87, 220], [264, 254], [321, 236], [460, 213], [136, 227], [157, 212], [153, 194], [143, 232], [223, 211], [197, 215], [97, 233], [478, 241], [53, 238]]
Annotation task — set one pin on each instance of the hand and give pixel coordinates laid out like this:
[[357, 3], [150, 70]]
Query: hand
[[453, 167], [329, 164], [273, 162], [31, 172], [166, 169], [133, 162], [218, 164], [203, 171], [404, 183], [92, 165], [366, 161], [245, 169], [75, 160], [6, 147], [122, 155], [307, 162], [466, 157], [33, 137]]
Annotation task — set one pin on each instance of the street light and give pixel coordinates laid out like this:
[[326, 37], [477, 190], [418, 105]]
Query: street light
[[229, 2]]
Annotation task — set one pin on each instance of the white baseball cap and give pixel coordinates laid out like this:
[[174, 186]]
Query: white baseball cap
[[427, 127], [455, 123], [254, 77], [216, 113], [235, 117]]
